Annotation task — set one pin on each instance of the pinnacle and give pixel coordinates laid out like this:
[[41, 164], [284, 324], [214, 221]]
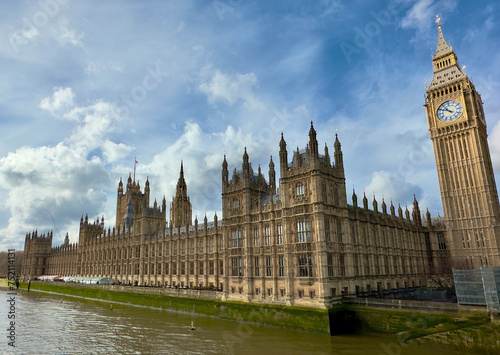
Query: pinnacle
[[442, 48]]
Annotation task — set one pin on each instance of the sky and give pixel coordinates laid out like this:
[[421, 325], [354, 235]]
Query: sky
[[88, 87]]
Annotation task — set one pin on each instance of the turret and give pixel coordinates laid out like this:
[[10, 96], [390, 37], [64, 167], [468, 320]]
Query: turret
[[283, 157], [354, 199], [180, 210], [225, 173], [272, 177], [146, 193], [365, 202], [416, 212], [313, 144], [246, 167], [384, 206], [375, 204], [120, 186], [327, 156], [339, 160]]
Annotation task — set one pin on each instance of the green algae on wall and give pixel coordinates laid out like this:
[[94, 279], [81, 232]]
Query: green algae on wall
[[313, 320]]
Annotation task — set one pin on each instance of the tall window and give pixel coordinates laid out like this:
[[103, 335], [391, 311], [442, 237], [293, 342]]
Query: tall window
[[237, 266], [367, 265], [303, 234], [191, 247], [174, 268], [211, 245], [441, 241], [236, 238], [269, 266], [211, 268], [427, 242], [221, 267], [183, 247], [159, 249], [152, 250], [183, 268], [327, 230], [201, 267], [300, 190], [191, 268], [339, 232], [256, 237], [305, 265], [281, 265], [267, 231], [280, 234], [323, 193], [256, 266], [200, 248], [330, 265], [174, 247], [167, 269], [342, 264]]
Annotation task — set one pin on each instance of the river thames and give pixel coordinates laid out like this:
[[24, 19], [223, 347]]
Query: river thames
[[49, 324]]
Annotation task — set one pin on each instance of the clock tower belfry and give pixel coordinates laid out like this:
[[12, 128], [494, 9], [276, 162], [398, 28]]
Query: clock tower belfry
[[457, 129]]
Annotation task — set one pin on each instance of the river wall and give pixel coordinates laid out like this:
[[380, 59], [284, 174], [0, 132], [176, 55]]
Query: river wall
[[191, 301], [405, 321]]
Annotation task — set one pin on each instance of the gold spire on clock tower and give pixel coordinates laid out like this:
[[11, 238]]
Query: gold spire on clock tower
[[457, 129]]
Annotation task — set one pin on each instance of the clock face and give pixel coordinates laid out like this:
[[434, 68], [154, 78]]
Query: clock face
[[449, 111]]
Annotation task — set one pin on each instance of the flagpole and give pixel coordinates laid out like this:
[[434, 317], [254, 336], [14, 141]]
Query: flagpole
[[135, 163]]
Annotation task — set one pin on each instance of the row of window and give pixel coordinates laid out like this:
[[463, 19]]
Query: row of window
[[304, 262]]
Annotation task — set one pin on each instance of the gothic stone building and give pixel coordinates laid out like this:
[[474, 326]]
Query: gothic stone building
[[299, 242]]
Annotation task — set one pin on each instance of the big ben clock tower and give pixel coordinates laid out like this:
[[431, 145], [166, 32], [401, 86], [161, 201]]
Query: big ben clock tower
[[457, 128]]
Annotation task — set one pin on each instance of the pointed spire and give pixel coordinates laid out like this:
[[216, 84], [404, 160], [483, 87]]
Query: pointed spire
[[365, 202], [428, 218], [182, 170], [354, 198], [375, 204], [313, 143], [384, 206], [442, 48], [283, 157], [338, 156], [225, 173], [327, 155]]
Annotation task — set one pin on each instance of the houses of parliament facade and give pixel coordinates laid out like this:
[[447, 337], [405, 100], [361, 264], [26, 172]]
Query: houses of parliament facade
[[299, 242]]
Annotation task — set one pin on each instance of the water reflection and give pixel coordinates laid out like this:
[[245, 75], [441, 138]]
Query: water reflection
[[47, 324]]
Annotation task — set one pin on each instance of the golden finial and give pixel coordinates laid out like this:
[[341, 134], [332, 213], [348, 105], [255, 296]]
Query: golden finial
[[438, 20]]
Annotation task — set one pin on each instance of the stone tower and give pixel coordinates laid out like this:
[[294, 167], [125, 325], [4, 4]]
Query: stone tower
[[180, 210], [457, 128]]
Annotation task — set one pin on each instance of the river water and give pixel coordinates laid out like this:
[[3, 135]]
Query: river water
[[49, 324]]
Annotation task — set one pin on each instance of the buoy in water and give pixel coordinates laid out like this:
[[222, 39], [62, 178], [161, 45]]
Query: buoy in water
[[192, 326], [111, 307]]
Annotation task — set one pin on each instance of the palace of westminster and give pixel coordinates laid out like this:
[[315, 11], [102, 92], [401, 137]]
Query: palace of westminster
[[299, 242]]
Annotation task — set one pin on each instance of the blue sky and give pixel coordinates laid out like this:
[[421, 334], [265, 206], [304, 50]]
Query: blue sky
[[88, 86]]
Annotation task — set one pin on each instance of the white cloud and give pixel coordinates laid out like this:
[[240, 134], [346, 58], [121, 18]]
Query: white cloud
[[232, 89], [390, 187], [49, 182], [61, 100], [421, 13], [23, 36], [61, 182], [66, 36], [115, 152]]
